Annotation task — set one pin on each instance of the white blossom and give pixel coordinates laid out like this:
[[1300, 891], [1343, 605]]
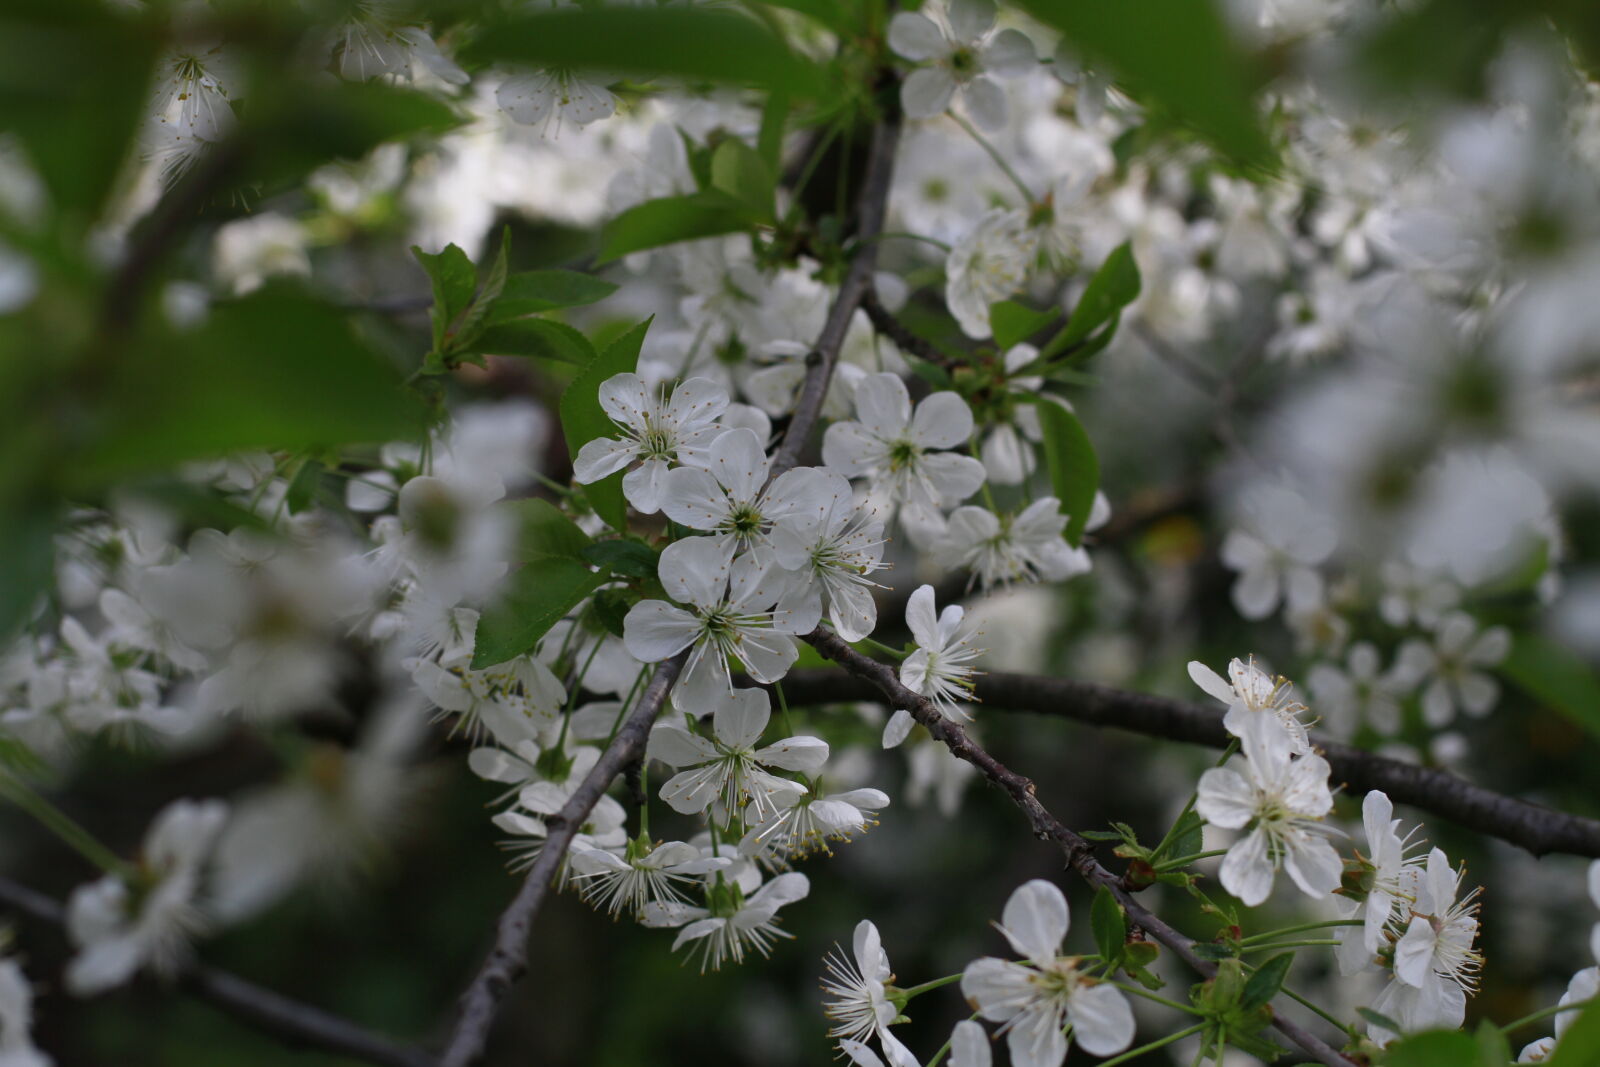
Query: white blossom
[[658, 432], [1280, 802], [963, 54], [727, 772], [1001, 549], [1035, 1001], [939, 668]]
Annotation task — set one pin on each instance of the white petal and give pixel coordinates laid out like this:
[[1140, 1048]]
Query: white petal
[[943, 420], [1247, 871], [655, 630], [1035, 920], [1010, 53], [883, 405], [1224, 798], [921, 618], [1211, 682], [644, 484], [673, 745], [803, 754], [926, 93], [692, 497], [741, 718], [997, 988], [916, 36], [1102, 1022], [695, 570], [898, 728], [1035, 1040], [1314, 866], [627, 399], [969, 1045], [970, 19], [951, 477], [985, 102], [601, 458]]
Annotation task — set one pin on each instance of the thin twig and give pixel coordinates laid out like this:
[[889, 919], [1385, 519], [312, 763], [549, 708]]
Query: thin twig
[[1530, 826], [1079, 853], [870, 213], [883, 320], [508, 959], [289, 1021]]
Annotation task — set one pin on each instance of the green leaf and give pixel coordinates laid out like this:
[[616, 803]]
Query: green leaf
[[583, 420], [1555, 676], [1114, 286], [453, 279], [27, 563], [295, 125], [534, 598], [1190, 836], [696, 44], [1070, 458], [1265, 982], [1100, 835], [303, 486], [1493, 1049], [611, 609], [1580, 1045], [1379, 1019], [1014, 323], [1210, 950], [668, 220], [1177, 55], [632, 559], [74, 82], [1110, 925], [738, 170], [545, 530], [1435, 1048], [532, 291], [276, 369], [539, 338], [476, 314], [831, 13], [769, 141]]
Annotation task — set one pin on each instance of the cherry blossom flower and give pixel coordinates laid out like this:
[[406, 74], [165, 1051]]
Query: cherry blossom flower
[[988, 265], [804, 823], [16, 1019], [731, 499], [644, 874], [375, 43], [527, 823], [553, 97], [1281, 802], [729, 617], [1435, 963], [1277, 552], [657, 431], [1388, 881], [963, 55], [727, 772], [1360, 692], [1038, 999], [733, 924], [1585, 985], [831, 552], [191, 107], [939, 667], [119, 928], [1250, 692], [1450, 666], [1001, 549], [900, 452], [855, 1000]]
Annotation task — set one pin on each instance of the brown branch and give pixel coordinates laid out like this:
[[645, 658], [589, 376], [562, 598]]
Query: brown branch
[[883, 320], [508, 959], [289, 1021], [870, 212], [1045, 826], [1530, 826]]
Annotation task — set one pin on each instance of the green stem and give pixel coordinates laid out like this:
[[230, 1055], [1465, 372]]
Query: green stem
[[1140, 991], [944, 1049], [1184, 861], [879, 646], [1545, 1013], [1028, 199], [1302, 928], [1322, 942], [903, 236], [918, 990], [62, 825], [1159, 1042], [1304, 1003]]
